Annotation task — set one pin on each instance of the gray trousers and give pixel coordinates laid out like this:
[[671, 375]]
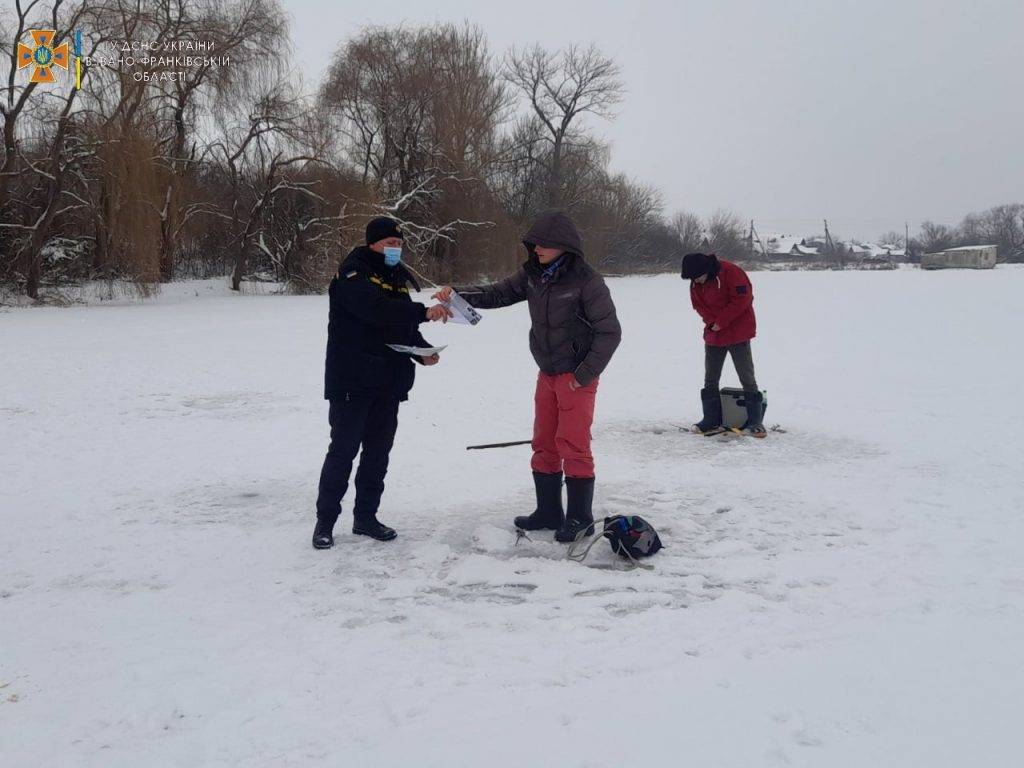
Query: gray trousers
[[714, 361]]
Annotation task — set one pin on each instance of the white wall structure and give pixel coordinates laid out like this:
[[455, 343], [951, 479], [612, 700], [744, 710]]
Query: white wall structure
[[967, 257]]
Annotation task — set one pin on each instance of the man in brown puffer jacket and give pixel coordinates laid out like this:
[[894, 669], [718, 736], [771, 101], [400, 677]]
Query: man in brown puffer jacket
[[574, 333]]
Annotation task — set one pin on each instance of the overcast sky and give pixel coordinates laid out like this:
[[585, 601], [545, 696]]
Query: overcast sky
[[868, 113]]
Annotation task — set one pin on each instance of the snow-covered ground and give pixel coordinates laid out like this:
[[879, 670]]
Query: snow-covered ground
[[849, 593]]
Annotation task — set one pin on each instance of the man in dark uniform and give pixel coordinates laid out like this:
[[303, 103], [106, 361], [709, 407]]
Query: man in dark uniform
[[365, 380]]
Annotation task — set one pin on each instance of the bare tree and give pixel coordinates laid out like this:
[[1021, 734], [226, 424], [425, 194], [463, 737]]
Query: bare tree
[[417, 113], [14, 96], [562, 87], [624, 224], [262, 148], [240, 31], [893, 237], [688, 229], [725, 234], [46, 174], [517, 174], [1003, 226], [936, 237]]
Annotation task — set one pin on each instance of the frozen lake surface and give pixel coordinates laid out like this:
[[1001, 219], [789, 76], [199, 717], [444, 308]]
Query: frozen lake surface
[[848, 593]]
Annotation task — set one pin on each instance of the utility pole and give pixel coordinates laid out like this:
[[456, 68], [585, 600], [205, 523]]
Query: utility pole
[[754, 236], [828, 241]]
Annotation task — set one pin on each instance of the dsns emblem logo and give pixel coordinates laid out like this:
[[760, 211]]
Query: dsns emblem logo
[[42, 56]]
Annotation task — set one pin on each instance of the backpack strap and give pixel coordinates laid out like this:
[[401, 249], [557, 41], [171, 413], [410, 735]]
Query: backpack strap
[[581, 546], [633, 563]]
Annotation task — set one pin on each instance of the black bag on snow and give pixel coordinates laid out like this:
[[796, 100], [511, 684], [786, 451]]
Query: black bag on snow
[[630, 536]]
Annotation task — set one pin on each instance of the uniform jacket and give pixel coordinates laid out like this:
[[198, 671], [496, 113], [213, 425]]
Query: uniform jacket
[[371, 308]]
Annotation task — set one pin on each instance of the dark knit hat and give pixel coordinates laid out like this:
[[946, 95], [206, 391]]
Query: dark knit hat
[[382, 228], [697, 264]]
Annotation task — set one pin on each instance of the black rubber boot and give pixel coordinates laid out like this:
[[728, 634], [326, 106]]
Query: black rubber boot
[[753, 426], [374, 528], [548, 515], [579, 514], [323, 534], [711, 424]]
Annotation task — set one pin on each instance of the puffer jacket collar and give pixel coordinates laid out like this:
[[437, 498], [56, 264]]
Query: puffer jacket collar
[[535, 269]]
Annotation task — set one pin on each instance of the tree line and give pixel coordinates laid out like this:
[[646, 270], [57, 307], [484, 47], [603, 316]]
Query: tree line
[[1001, 225], [231, 166]]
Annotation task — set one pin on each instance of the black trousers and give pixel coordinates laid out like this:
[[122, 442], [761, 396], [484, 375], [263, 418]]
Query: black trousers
[[367, 420], [742, 358]]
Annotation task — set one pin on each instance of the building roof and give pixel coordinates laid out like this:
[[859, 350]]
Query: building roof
[[779, 244]]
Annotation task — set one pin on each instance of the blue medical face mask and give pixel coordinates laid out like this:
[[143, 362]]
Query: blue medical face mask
[[392, 256]]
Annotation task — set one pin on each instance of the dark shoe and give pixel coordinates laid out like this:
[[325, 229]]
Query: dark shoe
[[753, 426], [711, 424], [323, 534], [548, 515], [579, 515], [568, 533], [373, 528]]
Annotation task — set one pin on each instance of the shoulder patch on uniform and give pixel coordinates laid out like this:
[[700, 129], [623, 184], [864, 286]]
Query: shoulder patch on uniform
[[350, 275], [741, 289]]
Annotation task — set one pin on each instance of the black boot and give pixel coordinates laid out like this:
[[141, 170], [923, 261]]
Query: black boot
[[711, 424], [579, 515], [323, 534], [548, 515], [755, 413], [374, 528]]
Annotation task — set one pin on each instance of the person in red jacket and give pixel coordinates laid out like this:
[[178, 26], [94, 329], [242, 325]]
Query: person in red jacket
[[724, 298]]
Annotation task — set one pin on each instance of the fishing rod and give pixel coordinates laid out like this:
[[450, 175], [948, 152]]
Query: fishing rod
[[498, 445]]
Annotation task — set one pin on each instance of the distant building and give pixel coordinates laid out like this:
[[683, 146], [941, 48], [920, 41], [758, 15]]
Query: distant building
[[966, 257], [776, 246], [876, 251], [891, 250]]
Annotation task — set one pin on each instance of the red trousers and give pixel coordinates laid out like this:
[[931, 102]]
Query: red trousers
[[561, 426]]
